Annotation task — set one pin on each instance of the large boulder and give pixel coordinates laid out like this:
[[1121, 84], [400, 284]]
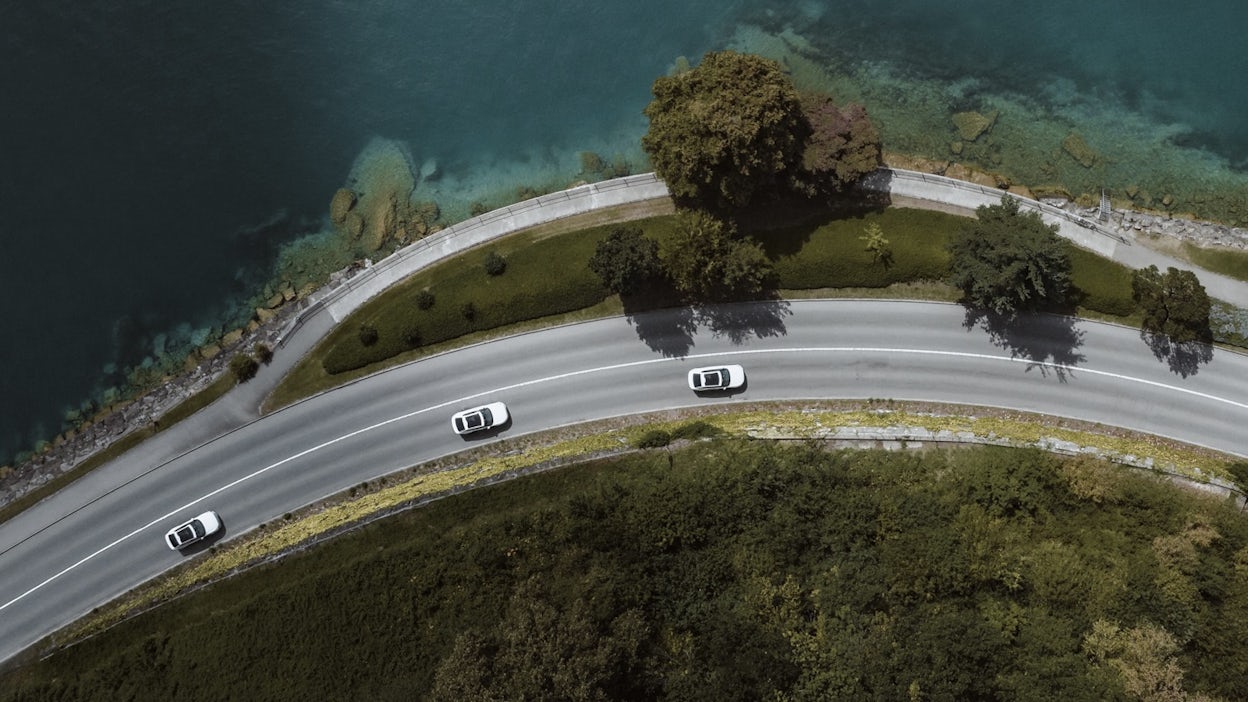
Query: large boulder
[[1078, 149], [342, 203], [973, 125]]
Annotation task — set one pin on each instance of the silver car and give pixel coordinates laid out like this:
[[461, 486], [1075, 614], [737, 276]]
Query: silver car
[[479, 418], [199, 528]]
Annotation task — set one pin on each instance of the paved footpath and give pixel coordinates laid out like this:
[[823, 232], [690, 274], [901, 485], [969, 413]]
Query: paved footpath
[[329, 306]]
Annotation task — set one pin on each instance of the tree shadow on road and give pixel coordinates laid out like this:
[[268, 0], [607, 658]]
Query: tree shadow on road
[[741, 321], [1184, 359], [670, 331], [1049, 342]]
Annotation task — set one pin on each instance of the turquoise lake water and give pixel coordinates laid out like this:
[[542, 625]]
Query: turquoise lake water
[[155, 157]]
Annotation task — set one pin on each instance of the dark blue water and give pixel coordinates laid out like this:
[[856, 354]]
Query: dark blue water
[[155, 154]]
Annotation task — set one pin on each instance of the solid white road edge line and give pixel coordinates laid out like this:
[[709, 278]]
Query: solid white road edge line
[[617, 366]]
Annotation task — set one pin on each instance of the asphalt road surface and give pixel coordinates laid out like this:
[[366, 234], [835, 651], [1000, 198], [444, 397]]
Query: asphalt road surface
[[56, 567]]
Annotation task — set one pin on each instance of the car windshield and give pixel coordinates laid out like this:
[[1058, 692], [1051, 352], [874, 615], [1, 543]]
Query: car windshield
[[188, 532], [487, 417], [472, 421]]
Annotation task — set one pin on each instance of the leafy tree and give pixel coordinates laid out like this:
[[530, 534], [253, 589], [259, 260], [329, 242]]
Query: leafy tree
[[1008, 261], [368, 334], [244, 367], [707, 262], [876, 245], [725, 130], [264, 353], [625, 260], [843, 145], [1174, 304]]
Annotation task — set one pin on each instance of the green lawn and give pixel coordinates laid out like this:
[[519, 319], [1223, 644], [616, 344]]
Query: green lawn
[[547, 279], [1228, 262]]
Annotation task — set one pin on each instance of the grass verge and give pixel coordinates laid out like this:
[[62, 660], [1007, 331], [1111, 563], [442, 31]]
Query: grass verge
[[824, 421]]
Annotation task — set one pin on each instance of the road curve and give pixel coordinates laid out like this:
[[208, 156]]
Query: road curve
[[54, 570]]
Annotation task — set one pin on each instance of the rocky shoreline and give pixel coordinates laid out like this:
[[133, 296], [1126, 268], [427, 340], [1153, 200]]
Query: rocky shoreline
[[203, 368]]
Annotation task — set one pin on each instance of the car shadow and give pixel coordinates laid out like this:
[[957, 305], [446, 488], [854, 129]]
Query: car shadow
[[730, 392], [1048, 342], [490, 433], [205, 544]]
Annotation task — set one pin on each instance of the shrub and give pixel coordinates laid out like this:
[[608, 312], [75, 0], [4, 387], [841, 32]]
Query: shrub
[[696, 430], [244, 367], [263, 353], [654, 438], [412, 337], [468, 311], [425, 299], [495, 264], [368, 335]]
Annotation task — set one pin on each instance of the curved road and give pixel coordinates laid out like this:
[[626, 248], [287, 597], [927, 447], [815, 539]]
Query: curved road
[[53, 571]]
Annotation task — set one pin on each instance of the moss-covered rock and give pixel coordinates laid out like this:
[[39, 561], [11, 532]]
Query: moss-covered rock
[[1078, 149], [973, 125], [342, 203]]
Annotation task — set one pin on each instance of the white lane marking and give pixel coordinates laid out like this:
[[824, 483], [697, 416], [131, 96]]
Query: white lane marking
[[618, 366]]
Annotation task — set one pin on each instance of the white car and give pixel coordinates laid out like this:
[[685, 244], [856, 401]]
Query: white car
[[201, 527], [716, 378], [479, 418]]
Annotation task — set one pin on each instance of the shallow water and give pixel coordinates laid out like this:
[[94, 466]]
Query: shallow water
[[156, 156]]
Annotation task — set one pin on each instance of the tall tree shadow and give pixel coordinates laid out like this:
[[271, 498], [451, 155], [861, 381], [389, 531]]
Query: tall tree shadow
[[1184, 359], [740, 321], [669, 331], [1049, 342]]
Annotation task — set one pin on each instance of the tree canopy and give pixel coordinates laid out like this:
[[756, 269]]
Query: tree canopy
[[843, 145], [1174, 304], [1008, 261], [707, 261], [724, 130], [625, 260]]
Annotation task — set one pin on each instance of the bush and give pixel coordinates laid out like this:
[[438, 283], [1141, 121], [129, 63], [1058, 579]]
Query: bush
[[425, 299], [468, 311], [654, 438], [412, 337], [696, 430], [368, 335], [263, 353], [244, 367], [495, 264]]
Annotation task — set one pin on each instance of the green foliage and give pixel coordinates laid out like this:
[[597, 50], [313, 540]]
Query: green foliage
[[1175, 304], [468, 310], [626, 260], [243, 367], [1100, 284], [368, 335], [696, 430], [830, 253], [741, 570], [875, 244], [425, 299], [707, 261], [843, 145], [495, 264], [725, 130], [263, 353], [653, 438], [1008, 261]]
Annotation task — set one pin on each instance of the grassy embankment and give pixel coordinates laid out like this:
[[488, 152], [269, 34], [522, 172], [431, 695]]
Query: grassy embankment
[[724, 570], [548, 281]]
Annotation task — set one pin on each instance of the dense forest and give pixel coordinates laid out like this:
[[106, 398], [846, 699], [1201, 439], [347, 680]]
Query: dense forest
[[725, 570]]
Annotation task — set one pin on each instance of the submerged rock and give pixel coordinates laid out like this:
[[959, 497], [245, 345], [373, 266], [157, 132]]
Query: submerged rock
[[342, 203], [973, 125], [1078, 149]]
